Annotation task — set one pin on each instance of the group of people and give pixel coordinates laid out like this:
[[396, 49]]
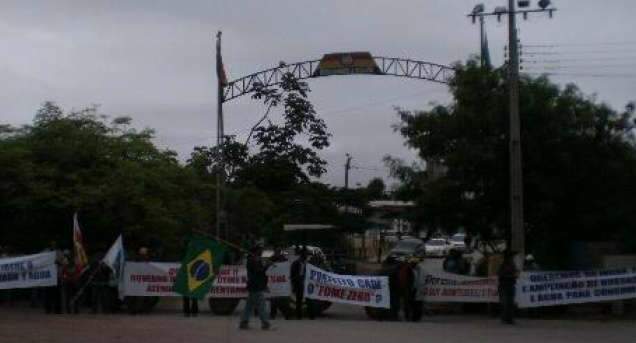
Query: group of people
[[73, 287], [100, 293], [257, 287], [93, 285]]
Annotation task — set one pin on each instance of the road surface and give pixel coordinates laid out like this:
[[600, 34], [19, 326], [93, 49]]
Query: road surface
[[341, 324]]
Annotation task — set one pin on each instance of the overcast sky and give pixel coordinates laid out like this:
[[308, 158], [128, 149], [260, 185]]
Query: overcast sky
[[154, 61]]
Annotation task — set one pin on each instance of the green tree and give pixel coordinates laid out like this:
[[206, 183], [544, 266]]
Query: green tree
[[276, 162], [579, 162], [113, 176], [375, 189]]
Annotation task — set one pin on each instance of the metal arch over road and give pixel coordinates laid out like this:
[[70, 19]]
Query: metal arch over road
[[346, 63], [402, 67]]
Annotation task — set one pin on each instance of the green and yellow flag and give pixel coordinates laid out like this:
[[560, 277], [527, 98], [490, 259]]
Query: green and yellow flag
[[196, 274]]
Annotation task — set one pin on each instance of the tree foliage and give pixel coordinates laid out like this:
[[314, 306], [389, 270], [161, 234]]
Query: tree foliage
[[270, 174], [113, 176], [579, 162]]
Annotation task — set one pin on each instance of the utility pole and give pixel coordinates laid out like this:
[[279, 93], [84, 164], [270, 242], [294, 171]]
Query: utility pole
[[347, 168], [517, 233]]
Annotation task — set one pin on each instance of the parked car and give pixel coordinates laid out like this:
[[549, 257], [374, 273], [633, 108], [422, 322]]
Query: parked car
[[437, 247], [458, 241], [405, 248]]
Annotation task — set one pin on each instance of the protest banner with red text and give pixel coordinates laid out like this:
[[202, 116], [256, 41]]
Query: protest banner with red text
[[157, 279], [150, 279], [372, 291], [447, 287], [232, 281]]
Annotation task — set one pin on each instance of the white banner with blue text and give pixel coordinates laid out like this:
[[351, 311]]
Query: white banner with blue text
[[535, 289], [37, 270]]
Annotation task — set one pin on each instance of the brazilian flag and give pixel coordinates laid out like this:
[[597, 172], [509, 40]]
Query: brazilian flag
[[196, 274]]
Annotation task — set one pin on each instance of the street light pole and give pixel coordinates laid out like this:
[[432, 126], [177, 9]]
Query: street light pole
[[517, 234]]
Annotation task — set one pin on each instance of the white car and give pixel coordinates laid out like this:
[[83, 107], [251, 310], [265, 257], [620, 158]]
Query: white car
[[458, 242], [436, 247]]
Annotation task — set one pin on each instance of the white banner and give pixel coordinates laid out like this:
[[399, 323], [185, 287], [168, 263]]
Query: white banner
[[37, 270], [232, 281], [448, 287], [372, 291], [157, 279], [536, 289], [150, 279]]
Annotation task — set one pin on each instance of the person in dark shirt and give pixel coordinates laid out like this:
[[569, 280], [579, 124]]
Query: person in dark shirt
[[298, 270], [256, 287], [507, 274]]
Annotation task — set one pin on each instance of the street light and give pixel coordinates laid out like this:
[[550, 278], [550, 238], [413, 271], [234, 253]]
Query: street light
[[517, 234], [523, 3], [479, 9], [499, 11]]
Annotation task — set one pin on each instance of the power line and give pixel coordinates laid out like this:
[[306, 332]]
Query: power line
[[580, 59], [365, 168], [592, 66], [558, 45], [378, 102], [592, 75]]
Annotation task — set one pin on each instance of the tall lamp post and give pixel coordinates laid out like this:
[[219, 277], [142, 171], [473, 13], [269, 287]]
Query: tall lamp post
[[517, 233]]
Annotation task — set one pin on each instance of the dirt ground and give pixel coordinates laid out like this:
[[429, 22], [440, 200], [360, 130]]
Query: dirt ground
[[341, 324]]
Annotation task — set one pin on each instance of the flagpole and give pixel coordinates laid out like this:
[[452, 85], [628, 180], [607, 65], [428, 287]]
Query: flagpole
[[481, 41], [83, 288], [220, 179]]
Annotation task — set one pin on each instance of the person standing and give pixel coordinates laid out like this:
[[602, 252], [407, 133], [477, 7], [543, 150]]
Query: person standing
[[100, 299], [507, 274], [71, 275], [52, 301], [406, 281], [298, 270], [408, 288], [279, 303], [190, 307], [256, 287]]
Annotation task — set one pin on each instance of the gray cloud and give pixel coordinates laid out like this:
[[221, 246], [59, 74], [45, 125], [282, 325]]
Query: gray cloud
[[154, 60]]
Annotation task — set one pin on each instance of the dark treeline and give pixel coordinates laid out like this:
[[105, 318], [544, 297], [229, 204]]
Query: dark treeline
[[579, 164], [120, 182], [112, 175]]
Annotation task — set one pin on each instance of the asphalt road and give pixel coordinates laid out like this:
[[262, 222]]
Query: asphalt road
[[341, 324]]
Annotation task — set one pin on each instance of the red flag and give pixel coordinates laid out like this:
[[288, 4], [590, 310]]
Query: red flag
[[81, 261], [220, 68]]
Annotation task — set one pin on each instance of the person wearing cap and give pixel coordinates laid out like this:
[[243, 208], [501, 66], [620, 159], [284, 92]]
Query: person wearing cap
[[507, 275], [256, 287]]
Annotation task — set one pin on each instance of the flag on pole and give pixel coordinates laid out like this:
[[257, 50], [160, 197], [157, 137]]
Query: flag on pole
[[203, 257], [81, 261], [220, 68], [115, 259]]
